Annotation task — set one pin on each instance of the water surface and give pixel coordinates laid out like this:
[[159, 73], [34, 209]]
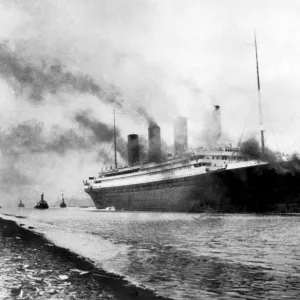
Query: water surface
[[184, 256]]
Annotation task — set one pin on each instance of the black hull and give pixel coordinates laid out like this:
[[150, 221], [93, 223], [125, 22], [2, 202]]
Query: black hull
[[42, 206], [264, 188]]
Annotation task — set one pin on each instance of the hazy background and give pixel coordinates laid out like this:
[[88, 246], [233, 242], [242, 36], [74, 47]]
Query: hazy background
[[63, 64]]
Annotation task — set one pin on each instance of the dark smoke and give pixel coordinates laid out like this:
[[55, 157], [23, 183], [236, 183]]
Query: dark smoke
[[27, 141], [29, 137], [252, 149], [290, 165], [295, 162], [149, 119], [37, 81], [101, 132]]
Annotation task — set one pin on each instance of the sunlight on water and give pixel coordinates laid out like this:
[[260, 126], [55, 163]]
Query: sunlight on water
[[184, 256]]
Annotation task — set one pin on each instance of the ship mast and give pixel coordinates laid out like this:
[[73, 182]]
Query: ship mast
[[259, 99], [115, 139]]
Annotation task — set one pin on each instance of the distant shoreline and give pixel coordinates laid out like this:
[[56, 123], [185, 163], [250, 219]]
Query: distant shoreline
[[292, 214]]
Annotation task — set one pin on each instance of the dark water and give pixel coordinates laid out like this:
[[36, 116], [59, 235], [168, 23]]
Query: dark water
[[184, 256]]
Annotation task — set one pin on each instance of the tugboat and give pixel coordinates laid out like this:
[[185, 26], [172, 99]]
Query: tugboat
[[42, 204], [21, 204], [63, 203]]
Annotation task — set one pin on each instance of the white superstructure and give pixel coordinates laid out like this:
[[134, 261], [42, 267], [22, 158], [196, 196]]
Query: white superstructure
[[201, 162]]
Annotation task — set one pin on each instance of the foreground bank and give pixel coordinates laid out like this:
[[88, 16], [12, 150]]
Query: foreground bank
[[34, 268]]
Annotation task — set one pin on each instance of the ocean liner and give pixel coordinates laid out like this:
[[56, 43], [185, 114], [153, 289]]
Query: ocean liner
[[221, 179]]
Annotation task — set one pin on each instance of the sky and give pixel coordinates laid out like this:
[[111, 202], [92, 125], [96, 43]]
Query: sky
[[65, 64]]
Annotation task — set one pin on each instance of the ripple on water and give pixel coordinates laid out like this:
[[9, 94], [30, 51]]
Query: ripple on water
[[186, 256]]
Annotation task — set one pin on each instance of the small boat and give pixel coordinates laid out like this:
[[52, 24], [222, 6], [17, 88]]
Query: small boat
[[21, 204], [63, 203], [42, 204], [109, 208]]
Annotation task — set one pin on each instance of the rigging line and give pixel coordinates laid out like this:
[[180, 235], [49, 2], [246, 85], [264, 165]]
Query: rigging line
[[292, 118], [294, 143], [269, 109], [292, 123], [108, 154], [247, 119], [272, 130], [105, 148], [105, 151], [115, 139]]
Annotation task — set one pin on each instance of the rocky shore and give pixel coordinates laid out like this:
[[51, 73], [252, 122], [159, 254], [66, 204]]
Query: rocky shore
[[34, 268]]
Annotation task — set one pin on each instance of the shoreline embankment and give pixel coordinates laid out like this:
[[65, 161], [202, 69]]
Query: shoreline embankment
[[32, 267]]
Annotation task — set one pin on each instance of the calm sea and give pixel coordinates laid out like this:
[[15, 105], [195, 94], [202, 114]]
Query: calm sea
[[184, 256]]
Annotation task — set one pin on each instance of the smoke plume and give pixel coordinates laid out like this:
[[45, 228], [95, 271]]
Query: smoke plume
[[101, 133], [29, 137], [252, 149], [146, 115], [25, 149], [38, 80], [28, 149]]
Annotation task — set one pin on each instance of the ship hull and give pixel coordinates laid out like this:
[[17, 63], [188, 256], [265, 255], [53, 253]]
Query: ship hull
[[260, 188]]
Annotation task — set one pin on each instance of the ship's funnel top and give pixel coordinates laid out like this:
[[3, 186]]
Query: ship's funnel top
[[154, 143], [217, 123], [180, 135], [133, 149]]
